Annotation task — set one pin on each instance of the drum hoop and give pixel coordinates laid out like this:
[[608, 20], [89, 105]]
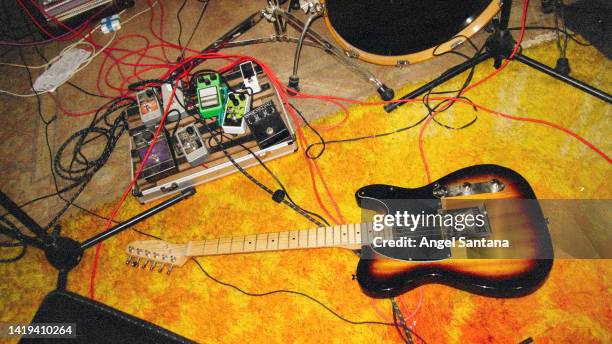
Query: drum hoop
[[398, 60]]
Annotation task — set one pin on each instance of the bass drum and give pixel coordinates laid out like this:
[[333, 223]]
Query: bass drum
[[400, 32]]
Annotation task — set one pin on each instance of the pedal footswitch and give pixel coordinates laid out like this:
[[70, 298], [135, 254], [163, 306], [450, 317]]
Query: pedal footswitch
[[177, 102], [267, 125], [238, 104], [249, 77], [211, 95], [191, 145], [149, 107], [161, 162]]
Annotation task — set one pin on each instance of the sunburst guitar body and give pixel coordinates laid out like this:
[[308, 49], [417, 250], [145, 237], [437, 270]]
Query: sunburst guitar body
[[479, 229]]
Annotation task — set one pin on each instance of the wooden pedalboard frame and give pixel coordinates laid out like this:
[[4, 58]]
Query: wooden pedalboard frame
[[217, 164]]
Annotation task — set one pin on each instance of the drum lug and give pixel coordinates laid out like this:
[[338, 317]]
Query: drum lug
[[351, 53], [401, 63]]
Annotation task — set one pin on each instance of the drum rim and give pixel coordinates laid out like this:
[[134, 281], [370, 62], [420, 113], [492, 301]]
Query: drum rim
[[397, 60]]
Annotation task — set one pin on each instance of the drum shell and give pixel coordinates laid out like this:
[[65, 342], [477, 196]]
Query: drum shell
[[398, 60]]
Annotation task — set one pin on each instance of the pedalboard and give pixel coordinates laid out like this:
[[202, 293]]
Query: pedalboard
[[238, 104], [211, 95], [267, 125], [190, 145], [161, 162], [149, 107]]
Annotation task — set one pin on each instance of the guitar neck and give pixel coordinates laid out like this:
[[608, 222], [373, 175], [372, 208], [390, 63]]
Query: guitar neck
[[346, 236]]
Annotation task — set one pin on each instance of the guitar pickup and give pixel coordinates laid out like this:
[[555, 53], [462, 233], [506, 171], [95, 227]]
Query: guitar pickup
[[466, 189]]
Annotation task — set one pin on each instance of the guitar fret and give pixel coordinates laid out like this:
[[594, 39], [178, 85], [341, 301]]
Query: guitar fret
[[312, 237], [321, 236], [336, 235]]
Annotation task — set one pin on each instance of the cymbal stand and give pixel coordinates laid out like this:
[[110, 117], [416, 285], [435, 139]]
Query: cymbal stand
[[281, 19]]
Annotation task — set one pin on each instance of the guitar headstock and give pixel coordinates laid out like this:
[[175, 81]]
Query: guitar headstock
[[156, 254]]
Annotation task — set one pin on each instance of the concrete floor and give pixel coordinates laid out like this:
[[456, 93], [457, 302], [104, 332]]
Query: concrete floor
[[25, 163]]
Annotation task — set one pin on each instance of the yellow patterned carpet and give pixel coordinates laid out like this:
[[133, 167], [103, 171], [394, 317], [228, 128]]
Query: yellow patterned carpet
[[573, 306]]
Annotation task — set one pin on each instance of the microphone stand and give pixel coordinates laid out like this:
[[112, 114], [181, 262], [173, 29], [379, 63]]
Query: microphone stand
[[62, 252], [499, 46]]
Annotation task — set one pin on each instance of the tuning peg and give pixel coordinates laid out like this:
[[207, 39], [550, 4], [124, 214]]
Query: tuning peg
[[136, 263], [170, 269], [128, 260], [152, 266], [144, 266], [161, 268]]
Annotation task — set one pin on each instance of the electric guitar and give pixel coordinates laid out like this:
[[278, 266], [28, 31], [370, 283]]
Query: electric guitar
[[479, 229]]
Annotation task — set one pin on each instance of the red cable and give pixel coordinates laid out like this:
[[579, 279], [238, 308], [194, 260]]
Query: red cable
[[126, 193]]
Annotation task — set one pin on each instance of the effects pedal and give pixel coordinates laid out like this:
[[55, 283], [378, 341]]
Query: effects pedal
[[149, 107], [191, 145], [267, 125], [249, 77], [211, 95], [177, 103], [161, 162], [238, 104]]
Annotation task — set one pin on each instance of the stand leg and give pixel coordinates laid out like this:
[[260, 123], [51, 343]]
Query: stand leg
[[232, 34], [24, 218], [567, 79], [458, 69], [136, 219], [385, 92]]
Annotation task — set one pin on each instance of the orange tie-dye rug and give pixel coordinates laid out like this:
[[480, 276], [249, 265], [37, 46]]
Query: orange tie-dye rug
[[573, 306]]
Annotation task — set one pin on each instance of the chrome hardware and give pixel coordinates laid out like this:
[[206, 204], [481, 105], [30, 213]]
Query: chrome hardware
[[161, 268], [169, 269], [466, 188], [144, 266], [128, 260], [152, 266]]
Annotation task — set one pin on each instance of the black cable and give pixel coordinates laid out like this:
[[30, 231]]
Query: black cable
[[324, 143], [180, 23], [560, 16], [397, 326], [278, 291], [280, 184], [292, 292], [257, 182], [195, 28], [9, 228], [81, 170]]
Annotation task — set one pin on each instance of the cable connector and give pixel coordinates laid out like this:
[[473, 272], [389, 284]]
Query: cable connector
[[563, 66], [110, 24], [278, 195]]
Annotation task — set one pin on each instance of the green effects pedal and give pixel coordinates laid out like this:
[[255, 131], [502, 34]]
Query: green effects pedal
[[211, 95], [238, 104]]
